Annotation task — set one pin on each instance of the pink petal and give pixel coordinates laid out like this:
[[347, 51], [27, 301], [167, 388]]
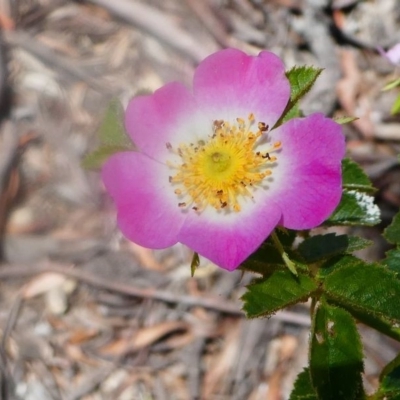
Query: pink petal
[[148, 212], [154, 120], [393, 54], [227, 240], [308, 178], [230, 84]]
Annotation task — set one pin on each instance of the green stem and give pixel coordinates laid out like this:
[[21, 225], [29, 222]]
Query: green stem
[[312, 308], [289, 263]]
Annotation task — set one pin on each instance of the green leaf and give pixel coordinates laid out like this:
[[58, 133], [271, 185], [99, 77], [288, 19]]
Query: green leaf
[[281, 289], [366, 288], [294, 112], [265, 260], [345, 120], [301, 81], [337, 262], [392, 232], [392, 85], [97, 158], [285, 257], [335, 354], [112, 132], [389, 388], [390, 380], [354, 178], [396, 106], [113, 138], [321, 247], [303, 389], [392, 261], [380, 324], [355, 208]]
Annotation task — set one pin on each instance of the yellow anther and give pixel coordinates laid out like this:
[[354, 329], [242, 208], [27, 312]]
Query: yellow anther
[[236, 207], [262, 126], [221, 171]]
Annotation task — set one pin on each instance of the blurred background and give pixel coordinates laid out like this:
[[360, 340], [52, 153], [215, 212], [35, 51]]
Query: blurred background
[[84, 314]]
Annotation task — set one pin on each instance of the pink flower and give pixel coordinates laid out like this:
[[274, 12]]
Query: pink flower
[[393, 54], [208, 171]]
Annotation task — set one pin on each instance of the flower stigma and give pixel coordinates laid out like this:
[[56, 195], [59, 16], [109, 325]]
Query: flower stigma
[[221, 170]]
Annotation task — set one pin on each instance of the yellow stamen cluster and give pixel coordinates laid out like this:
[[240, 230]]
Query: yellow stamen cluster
[[217, 172]]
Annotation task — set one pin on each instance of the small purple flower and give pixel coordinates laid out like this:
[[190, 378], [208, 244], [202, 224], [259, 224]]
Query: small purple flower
[[210, 173], [393, 54]]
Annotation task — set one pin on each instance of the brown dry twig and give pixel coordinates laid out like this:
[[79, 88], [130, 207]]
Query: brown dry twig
[[211, 302], [211, 21], [12, 148], [52, 59], [157, 24]]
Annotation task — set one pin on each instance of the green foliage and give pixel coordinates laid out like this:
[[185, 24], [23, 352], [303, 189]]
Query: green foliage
[[111, 131], [321, 247], [285, 236], [396, 106], [265, 260], [301, 81], [357, 205], [354, 178], [97, 158], [366, 288], [303, 389], [392, 261], [113, 138], [268, 258], [395, 109], [392, 235], [335, 354], [285, 257], [389, 387], [392, 85], [378, 323], [337, 262], [281, 289], [368, 307], [294, 112], [345, 120], [355, 208], [392, 232]]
